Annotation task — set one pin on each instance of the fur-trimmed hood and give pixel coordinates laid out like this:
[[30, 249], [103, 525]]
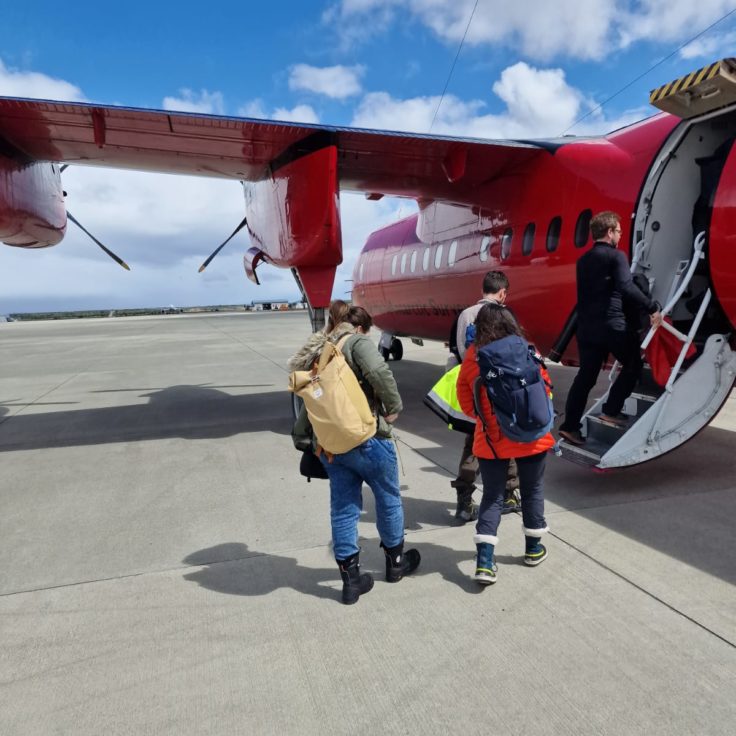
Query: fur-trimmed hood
[[304, 358]]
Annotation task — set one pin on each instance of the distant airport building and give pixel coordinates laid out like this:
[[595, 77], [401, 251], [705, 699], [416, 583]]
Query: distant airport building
[[271, 304]]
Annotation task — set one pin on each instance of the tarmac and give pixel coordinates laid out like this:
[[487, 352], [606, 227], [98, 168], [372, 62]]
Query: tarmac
[[164, 568]]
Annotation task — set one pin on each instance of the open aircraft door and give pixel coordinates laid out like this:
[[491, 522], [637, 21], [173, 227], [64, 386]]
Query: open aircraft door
[[685, 247]]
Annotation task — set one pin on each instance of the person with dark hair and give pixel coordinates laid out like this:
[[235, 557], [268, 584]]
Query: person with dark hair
[[360, 319], [494, 451], [604, 285], [373, 462], [495, 291]]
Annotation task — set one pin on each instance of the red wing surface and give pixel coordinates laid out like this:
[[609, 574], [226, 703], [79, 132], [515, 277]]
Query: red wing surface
[[403, 164]]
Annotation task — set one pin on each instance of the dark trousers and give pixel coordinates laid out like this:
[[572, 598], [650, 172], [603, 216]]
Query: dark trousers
[[494, 472], [467, 471], [624, 346]]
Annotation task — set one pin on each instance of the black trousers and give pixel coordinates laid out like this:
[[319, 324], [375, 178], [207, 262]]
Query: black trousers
[[624, 346]]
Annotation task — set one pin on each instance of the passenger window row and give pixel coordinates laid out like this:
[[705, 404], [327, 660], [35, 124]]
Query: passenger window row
[[552, 241]]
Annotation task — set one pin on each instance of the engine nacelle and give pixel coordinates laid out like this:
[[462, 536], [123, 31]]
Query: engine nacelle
[[294, 215], [32, 211]]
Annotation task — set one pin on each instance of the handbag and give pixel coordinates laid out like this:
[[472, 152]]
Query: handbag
[[310, 466]]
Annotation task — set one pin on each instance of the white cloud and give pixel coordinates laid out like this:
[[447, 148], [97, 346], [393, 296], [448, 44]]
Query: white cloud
[[337, 82], [298, 114], [144, 205], [16, 83], [539, 30], [539, 103], [253, 109], [382, 111], [211, 103], [669, 20], [359, 218], [66, 278], [163, 226], [710, 47]]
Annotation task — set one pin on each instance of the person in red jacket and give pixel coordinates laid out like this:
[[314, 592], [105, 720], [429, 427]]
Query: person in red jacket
[[494, 451]]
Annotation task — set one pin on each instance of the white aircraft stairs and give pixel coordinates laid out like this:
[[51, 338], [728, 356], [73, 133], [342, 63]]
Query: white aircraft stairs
[[659, 419]]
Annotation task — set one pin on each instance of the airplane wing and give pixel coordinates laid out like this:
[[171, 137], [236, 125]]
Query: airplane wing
[[376, 162]]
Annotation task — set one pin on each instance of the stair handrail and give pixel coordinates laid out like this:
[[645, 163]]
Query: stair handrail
[[686, 340], [638, 252], [697, 256]]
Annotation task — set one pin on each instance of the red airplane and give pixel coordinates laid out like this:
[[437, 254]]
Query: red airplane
[[523, 206]]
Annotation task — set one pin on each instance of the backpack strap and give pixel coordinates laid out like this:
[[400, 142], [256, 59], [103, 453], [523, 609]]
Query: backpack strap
[[479, 413], [537, 358], [330, 350]]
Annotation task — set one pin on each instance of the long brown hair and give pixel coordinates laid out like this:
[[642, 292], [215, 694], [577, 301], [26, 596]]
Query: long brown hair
[[338, 313], [494, 322]]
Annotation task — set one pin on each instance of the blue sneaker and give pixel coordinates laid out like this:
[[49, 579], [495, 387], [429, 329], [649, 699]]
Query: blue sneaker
[[535, 555], [485, 567]]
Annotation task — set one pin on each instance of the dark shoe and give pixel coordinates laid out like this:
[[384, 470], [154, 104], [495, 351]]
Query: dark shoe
[[512, 501], [572, 436], [485, 567], [354, 583], [400, 563], [617, 421], [535, 555], [466, 510]]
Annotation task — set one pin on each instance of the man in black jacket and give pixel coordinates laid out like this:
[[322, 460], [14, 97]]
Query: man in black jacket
[[604, 284]]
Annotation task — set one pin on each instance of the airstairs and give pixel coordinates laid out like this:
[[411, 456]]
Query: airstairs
[[659, 419]]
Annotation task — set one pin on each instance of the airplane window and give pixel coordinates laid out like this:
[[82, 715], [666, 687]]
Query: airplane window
[[452, 254], [484, 244], [413, 262], [403, 262], [394, 262], [506, 244], [527, 243], [553, 234], [438, 257], [582, 228], [425, 259]]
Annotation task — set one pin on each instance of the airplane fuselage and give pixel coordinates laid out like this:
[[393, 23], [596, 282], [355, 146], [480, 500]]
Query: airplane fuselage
[[533, 223]]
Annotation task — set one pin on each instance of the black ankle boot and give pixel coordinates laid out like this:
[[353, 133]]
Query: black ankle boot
[[354, 583], [400, 563]]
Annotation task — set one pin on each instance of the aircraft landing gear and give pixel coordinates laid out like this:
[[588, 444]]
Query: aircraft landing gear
[[395, 350]]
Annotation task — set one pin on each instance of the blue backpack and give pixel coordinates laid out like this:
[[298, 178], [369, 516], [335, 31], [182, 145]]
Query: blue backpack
[[510, 372]]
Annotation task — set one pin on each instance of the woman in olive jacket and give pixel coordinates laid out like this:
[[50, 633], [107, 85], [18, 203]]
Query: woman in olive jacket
[[374, 462]]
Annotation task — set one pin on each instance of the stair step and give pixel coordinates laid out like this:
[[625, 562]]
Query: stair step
[[606, 434], [645, 398], [588, 454]]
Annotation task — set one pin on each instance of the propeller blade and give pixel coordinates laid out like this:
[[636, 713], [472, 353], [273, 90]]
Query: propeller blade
[[115, 258], [222, 245]]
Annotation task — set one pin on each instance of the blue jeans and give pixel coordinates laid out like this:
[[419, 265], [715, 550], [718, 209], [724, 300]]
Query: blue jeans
[[493, 472], [373, 462]]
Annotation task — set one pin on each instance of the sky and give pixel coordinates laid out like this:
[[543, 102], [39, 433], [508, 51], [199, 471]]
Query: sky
[[528, 68]]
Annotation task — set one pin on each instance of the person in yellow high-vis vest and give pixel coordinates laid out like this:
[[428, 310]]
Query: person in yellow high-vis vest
[[443, 399]]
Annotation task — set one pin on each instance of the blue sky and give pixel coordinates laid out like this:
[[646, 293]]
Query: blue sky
[[527, 69]]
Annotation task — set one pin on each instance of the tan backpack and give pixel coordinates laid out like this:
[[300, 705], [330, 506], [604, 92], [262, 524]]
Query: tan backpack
[[336, 405]]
